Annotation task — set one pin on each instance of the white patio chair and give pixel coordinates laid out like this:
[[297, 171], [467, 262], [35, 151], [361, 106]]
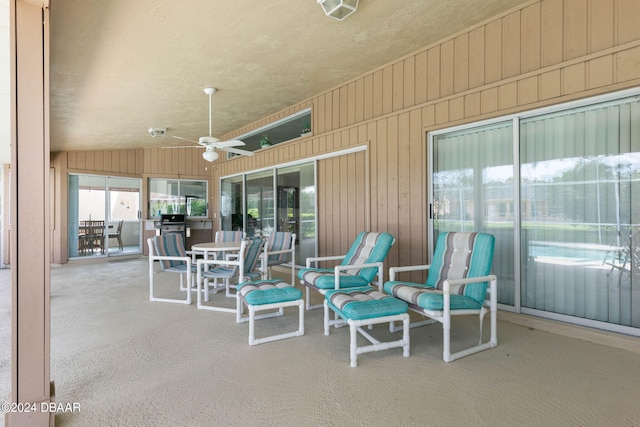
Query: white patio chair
[[458, 283], [360, 267], [236, 267], [168, 250]]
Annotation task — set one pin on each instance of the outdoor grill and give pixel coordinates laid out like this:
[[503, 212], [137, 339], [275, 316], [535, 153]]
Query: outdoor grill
[[174, 223]]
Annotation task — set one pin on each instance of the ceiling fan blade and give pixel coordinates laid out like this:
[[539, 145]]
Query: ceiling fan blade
[[185, 146], [237, 151], [185, 139], [191, 140], [229, 143]]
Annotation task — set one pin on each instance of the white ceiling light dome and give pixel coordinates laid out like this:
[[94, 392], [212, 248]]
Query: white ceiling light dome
[[338, 9], [210, 154]]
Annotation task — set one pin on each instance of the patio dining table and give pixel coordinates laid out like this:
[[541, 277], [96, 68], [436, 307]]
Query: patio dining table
[[214, 248]]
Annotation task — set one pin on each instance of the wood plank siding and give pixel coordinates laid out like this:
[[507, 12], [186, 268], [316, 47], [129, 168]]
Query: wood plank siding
[[539, 54]]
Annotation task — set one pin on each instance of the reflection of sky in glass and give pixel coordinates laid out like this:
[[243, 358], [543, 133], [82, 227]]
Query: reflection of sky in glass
[[497, 173], [548, 169], [541, 171], [629, 160]]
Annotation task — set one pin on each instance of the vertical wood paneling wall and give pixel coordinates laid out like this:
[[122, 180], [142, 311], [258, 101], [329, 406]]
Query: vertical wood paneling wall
[[542, 53]]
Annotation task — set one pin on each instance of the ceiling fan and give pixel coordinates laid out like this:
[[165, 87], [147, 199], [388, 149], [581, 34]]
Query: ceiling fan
[[211, 143]]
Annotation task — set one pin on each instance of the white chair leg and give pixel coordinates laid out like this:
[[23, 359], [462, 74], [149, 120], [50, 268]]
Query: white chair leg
[[252, 321], [446, 339], [253, 316], [153, 298], [327, 329], [405, 337], [493, 341], [189, 284], [353, 350], [239, 311], [301, 318], [308, 300], [227, 284], [150, 281], [481, 315]]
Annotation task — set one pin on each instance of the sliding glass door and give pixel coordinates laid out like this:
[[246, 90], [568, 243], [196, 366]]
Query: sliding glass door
[[557, 190], [281, 199], [579, 171], [260, 204], [104, 216], [123, 216], [296, 207]]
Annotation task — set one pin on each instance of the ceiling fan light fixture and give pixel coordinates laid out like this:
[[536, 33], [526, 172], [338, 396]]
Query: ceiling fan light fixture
[[338, 9], [211, 143], [210, 155], [208, 140]]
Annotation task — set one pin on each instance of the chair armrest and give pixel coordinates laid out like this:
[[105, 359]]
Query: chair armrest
[[281, 251], [325, 258], [492, 290], [394, 270], [338, 268], [152, 258], [170, 258], [446, 285]]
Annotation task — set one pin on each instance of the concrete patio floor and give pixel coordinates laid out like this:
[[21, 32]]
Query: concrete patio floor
[[128, 362]]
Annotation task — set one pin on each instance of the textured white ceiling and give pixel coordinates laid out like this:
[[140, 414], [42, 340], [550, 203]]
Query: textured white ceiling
[[119, 67]]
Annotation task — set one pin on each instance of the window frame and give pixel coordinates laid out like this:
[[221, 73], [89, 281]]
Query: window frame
[[153, 212]]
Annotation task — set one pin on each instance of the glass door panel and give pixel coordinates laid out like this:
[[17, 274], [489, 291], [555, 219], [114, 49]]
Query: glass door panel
[[260, 204], [473, 191], [87, 207], [296, 207], [231, 204], [124, 226], [293, 209], [104, 216], [307, 238], [579, 170]]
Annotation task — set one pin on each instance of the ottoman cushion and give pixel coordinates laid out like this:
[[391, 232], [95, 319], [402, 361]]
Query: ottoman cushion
[[364, 304], [261, 292]]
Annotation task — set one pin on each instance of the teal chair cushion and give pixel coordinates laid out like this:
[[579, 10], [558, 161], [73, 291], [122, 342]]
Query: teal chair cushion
[[458, 255], [262, 292], [428, 298], [364, 304], [324, 278], [367, 248]]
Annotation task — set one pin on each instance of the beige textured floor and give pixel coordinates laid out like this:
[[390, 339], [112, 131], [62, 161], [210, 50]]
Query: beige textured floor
[[130, 362]]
